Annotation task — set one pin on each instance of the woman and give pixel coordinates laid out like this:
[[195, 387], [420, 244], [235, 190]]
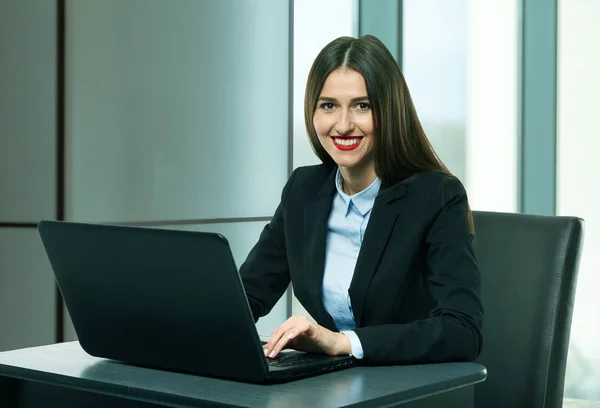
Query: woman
[[377, 241]]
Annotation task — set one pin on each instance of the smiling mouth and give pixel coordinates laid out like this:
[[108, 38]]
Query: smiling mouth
[[346, 143]]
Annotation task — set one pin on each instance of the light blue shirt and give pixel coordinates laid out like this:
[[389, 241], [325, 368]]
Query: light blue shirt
[[345, 231]]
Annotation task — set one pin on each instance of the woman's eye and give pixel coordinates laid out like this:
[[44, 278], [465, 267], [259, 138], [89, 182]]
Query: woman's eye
[[363, 105], [326, 105]]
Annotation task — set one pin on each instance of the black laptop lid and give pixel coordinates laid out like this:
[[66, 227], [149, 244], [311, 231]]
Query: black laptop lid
[[163, 298]]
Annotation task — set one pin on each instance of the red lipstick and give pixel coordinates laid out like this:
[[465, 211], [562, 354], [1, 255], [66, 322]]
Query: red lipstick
[[349, 142]]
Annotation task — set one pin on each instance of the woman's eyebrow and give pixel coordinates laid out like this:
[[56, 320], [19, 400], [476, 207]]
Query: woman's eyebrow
[[329, 99]]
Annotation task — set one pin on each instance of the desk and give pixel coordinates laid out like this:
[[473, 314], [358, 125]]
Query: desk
[[64, 375]]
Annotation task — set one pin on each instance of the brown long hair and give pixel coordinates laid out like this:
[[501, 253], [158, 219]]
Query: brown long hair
[[401, 149]]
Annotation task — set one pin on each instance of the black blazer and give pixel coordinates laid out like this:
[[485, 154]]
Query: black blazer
[[415, 293]]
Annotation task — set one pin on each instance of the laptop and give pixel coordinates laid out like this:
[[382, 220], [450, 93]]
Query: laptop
[[165, 299]]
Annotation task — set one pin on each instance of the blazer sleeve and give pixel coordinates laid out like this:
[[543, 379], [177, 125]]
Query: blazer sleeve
[[452, 332], [265, 272]]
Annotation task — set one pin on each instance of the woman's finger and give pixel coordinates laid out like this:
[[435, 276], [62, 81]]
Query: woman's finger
[[283, 341], [293, 326], [276, 336]]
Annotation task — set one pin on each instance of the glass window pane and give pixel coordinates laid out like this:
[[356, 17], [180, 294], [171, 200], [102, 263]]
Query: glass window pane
[[460, 63], [577, 192], [176, 112]]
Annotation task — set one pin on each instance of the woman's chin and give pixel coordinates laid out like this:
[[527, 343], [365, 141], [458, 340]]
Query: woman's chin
[[347, 162]]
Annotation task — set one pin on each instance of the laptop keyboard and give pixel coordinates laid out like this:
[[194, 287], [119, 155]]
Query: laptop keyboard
[[286, 361]]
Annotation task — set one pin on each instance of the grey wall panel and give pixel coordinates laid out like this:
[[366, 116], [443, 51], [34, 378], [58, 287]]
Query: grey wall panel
[[242, 237], [176, 110], [27, 290], [27, 110], [381, 18], [538, 106]]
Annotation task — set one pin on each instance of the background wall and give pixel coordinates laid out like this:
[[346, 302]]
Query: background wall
[[172, 114], [27, 169], [172, 119]]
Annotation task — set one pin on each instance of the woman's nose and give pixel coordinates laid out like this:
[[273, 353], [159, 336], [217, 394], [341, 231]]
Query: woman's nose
[[344, 125]]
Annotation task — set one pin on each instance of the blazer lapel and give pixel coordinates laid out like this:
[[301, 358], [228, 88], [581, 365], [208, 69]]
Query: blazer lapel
[[316, 216], [381, 223]]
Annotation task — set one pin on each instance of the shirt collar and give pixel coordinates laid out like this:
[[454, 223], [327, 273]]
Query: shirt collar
[[364, 200]]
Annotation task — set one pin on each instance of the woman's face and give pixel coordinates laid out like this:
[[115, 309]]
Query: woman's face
[[343, 120]]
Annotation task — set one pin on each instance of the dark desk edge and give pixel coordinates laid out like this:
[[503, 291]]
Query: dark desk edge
[[150, 396], [426, 391], [100, 387]]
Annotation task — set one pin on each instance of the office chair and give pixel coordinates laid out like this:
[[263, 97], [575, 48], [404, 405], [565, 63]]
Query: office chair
[[529, 267]]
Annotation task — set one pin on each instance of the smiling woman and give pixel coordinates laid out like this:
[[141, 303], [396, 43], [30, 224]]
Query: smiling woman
[[376, 240], [344, 123], [372, 76]]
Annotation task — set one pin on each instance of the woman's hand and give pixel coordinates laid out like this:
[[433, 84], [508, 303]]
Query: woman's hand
[[301, 334]]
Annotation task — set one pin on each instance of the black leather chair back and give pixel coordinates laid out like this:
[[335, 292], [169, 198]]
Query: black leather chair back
[[529, 267]]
